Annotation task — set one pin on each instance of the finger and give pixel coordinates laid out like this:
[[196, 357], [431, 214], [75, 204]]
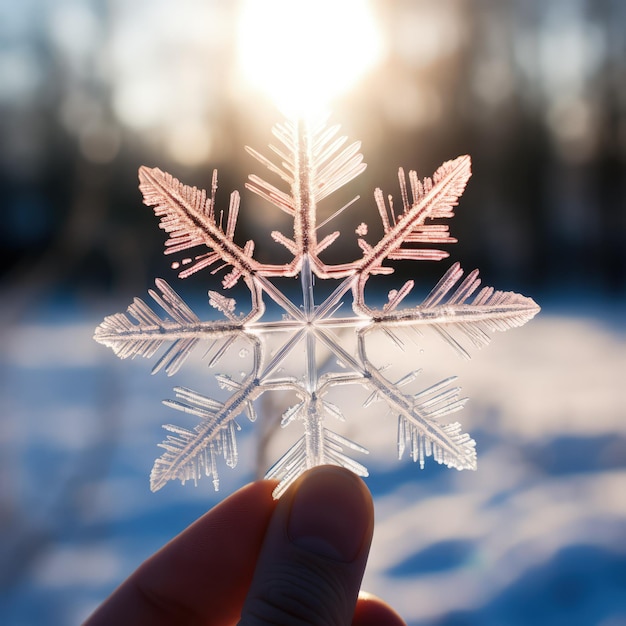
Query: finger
[[372, 611], [202, 575], [314, 553]]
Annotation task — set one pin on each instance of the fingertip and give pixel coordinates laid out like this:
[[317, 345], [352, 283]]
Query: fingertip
[[314, 552], [331, 513], [372, 611]]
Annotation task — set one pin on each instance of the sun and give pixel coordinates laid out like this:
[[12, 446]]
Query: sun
[[305, 53]]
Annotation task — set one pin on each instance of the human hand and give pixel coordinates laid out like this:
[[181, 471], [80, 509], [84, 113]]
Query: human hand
[[298, 560]]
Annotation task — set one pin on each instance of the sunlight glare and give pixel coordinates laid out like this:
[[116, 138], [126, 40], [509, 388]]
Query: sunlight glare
[[304, 53]]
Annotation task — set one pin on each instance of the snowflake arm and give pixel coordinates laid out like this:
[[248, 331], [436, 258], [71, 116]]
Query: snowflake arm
[[431, 199], [318, 445], [141, 332], [191, 453], [315, 165], [452, 314], [419, 415], [188, 216]]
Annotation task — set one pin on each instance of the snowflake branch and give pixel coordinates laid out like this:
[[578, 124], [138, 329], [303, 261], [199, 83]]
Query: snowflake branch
[[431, 199], [191, 453], [418, 417], [449, 311], [318, 446], [188, 216], [141, 332], [317, 165]]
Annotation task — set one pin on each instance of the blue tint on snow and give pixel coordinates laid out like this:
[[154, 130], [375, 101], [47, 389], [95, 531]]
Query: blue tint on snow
[[438, 557], [77, 443], [578, 455], [581, 586]]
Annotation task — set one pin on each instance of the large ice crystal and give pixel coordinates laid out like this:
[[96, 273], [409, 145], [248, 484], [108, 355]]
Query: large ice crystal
[[313, 161]]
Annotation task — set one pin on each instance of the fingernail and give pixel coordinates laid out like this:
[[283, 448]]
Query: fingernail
[[330, 514]]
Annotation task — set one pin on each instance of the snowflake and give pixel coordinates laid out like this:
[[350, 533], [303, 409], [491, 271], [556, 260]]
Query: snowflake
[[314, 162]]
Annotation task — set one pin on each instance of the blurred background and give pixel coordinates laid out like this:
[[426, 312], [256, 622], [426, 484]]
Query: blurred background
[[534, 91]]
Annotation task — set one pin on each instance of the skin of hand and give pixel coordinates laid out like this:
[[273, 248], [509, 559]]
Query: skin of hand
[[255, 561]]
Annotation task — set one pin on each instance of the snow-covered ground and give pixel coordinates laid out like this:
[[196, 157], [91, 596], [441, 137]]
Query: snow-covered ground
[[536, 536]]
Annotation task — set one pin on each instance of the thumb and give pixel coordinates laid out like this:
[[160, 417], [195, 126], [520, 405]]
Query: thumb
[[314, 553]]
